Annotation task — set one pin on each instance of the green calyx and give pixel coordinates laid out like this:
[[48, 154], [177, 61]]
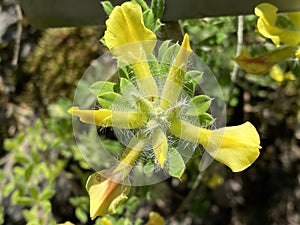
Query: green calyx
[[159, 112]]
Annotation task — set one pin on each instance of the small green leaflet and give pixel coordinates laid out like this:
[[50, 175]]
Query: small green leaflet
[[148, 19], [107, 6], [176, 165], [149, 167], [162, 50], [106, 93], [205, 119], [191, 80], [107, 99], [127, 87], [199, 105], [158, 7], [101, 87]]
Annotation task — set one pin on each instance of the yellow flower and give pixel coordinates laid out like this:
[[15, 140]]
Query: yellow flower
[[106, 221], [131, 42], [279, 76], [155, 219], [124, 26], [280, 28], [106, 193], [237, 146], [214, 180], [174, 82], [152, 117], [108, 118], [298, 54], [109, 188], [261, 64]]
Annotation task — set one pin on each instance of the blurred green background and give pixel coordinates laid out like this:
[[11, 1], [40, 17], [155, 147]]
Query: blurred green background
[[43, 174]]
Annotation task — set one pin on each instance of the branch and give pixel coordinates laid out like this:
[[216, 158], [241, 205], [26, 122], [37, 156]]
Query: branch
[[18, 35]]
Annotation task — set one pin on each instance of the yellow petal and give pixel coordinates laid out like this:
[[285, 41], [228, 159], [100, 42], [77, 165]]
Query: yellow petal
[[261, 64], [131, 42], [155, 219], [145, 82], [108, 118], [214, 180], [267, 12], [237, 146], [295, 19], [108, 189], [266, 25], [174, 82], [289, 76], [125, 26], [277, 74], [106, 193], [106, 221], [160, 146]]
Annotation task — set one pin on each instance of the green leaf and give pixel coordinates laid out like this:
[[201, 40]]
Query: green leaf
[[189, 88], [194, 76], [133, 203], [127, 221], [81, 215], [199, 105], [284, 23], [157, 25], [22, 158], [138, 221], [112, 146], [170, 54], [127, 87], [2, 215], [28, 172], [191, 80], [157, 7], [154, 65], [162, 50], [106, 100], [34, 192], [101, 87], [168, 58], [120, 221], [35, 157], [47, 194], [176, 165], [149, 167], [125, 71], [107, 6], [46, 206], [142, 3], [24, 200], [148, 19], [7, 189], [10, 144], [205, 119]]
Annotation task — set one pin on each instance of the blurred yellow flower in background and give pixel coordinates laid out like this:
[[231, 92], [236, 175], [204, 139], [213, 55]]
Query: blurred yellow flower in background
[[280, 28]]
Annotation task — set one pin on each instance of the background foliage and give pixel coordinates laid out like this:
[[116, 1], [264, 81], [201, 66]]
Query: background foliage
[[43, 173]]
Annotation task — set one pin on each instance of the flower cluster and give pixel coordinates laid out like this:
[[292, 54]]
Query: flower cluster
[[154, 112], [282, 29]]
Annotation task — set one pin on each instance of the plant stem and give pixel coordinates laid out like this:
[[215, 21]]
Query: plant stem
[[240, 40]]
